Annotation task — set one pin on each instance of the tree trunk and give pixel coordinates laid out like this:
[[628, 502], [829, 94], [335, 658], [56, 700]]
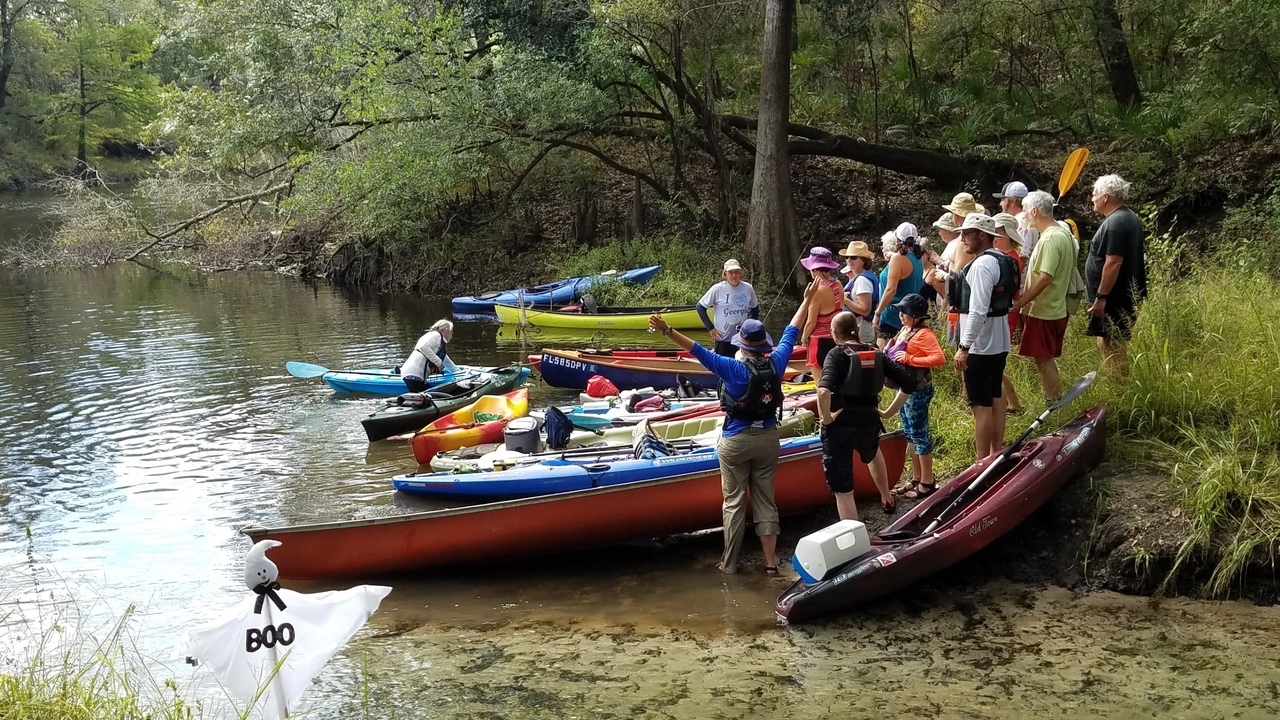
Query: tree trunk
[[1115, 54], [82, 151], [6, 48], [772, 235]]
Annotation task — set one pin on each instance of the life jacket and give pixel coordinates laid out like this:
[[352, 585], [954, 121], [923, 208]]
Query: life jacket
[[875, 291], [865, 377], [763, 398], [1002, 295]]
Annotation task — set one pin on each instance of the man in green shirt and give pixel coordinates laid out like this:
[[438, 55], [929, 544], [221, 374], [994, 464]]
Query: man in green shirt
[[1044, 301]]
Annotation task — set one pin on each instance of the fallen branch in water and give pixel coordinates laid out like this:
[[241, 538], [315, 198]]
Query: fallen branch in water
[[197, 219]]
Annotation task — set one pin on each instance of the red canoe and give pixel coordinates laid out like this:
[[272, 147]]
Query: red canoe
[[548, 524], [1026, 480]]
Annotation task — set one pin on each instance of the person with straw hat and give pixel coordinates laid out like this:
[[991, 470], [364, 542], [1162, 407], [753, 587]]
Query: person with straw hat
[[862, 292], [751, 396]]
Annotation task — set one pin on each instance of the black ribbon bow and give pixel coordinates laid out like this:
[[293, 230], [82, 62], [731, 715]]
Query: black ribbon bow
[[264, 591]]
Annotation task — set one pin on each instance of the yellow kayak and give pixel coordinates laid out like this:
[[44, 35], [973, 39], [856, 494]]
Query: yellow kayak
[[682, 317]]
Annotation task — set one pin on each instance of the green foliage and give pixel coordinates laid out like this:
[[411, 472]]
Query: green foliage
[[688, 269]]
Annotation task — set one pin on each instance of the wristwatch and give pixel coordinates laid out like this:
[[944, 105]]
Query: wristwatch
[[667, 332], [1100, 296], [962, 347]]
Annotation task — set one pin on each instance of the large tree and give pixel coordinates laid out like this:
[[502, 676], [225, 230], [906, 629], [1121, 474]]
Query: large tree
[[772, 235]]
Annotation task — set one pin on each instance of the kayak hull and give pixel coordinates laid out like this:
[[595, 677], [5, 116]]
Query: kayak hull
[[572, 472], [512, 529], [1024, 483], [573, 368], [681, 318], [555, 293], [384, 382], [460, 428], [399, 419]]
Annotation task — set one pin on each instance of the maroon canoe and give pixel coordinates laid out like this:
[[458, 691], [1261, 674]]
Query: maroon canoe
[[547, 524], [1025, 480]]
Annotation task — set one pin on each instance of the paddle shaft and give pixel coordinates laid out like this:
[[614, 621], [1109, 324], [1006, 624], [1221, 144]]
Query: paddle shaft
[[1076, 391]]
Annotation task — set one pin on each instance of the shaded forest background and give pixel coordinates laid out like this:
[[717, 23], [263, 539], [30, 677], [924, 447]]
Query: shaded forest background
[[391, 142]]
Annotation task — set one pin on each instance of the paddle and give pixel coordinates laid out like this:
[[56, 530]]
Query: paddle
[[1071, 170], [974, 487], [307, 370]]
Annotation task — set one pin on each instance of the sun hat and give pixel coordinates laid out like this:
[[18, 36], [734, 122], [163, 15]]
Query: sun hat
[[913, 305], [1010, 225], [947, 222], [962, 204], [1013, 189], [731, 264], [752, 336], [819, 257], [979, 221], [857, 248]]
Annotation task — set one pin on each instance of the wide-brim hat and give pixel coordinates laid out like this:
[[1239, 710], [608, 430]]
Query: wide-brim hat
[[978, 221], [913, 305], [819, 257], [962, 204], [857, 248], [1009, 224], [752, 336], [947, 222]]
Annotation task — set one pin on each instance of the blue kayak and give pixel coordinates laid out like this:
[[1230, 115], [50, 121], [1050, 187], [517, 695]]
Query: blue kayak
[[571, 471], [561, 291], [383, 382]]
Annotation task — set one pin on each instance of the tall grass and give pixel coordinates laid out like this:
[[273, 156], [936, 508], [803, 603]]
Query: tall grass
[[1201, 405]]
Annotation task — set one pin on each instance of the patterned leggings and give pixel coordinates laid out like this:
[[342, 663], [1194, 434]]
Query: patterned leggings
[[915, 419]]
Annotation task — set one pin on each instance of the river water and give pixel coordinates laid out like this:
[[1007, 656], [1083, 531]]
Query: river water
[[147, 417]]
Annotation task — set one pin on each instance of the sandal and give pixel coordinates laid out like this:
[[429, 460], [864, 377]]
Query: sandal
[[890, 507], [921, 491], [908, 487], [770, 569]]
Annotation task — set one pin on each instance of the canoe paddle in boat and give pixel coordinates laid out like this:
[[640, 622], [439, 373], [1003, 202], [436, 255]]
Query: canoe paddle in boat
[[304, 370], [979, 482]]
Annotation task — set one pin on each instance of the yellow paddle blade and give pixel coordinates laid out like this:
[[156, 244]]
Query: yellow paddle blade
[[1071, 170]]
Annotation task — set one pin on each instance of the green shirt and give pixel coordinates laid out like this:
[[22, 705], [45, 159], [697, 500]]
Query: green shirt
[[1054, 255]]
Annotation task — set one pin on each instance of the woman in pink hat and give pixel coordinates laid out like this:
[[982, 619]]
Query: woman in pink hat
[[826, 303]]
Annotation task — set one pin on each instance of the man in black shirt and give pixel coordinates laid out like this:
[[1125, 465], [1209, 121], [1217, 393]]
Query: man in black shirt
[[1115, 272], [853, 375]]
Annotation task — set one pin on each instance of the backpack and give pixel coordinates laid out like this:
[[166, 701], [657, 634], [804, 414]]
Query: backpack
[[558, 427]]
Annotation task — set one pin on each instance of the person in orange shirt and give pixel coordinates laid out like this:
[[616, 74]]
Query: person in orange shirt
[[916, 347]]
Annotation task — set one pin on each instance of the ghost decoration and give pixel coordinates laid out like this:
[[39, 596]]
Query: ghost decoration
[[267, 650]]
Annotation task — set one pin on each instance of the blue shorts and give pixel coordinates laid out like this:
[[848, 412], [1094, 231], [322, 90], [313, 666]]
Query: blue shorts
[[915, 419]]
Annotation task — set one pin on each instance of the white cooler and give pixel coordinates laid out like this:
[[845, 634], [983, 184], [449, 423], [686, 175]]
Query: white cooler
[[817, 554]]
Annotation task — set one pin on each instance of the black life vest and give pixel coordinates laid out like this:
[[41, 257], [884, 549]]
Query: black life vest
[[763, 398], [959, 290], [865, 377]]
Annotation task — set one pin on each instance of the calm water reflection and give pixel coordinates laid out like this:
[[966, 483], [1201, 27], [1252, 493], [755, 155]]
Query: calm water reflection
[[147, 416]]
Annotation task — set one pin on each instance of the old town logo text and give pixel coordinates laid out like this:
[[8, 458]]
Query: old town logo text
[[981, 525]]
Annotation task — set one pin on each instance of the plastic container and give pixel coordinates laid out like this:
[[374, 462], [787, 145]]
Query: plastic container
[[820, 553], [522, 435]]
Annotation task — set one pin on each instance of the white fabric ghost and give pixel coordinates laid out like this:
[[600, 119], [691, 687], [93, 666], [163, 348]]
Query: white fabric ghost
[[299, 632]]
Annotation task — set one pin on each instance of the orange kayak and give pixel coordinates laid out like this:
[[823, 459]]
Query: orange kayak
[[480, 422]]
